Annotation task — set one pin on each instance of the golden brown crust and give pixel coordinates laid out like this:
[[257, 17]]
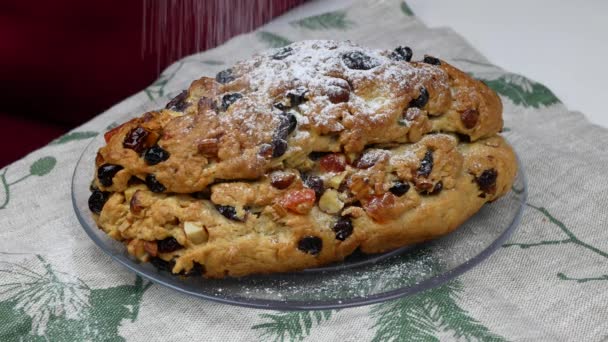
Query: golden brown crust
[[300, 155]]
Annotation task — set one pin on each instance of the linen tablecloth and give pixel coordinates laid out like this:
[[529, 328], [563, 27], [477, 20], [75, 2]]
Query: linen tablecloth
[[548, 283]]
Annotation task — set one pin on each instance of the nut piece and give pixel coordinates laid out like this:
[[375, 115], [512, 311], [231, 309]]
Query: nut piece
[[330, 203], [195, 232], [335, 181], [208, 147]]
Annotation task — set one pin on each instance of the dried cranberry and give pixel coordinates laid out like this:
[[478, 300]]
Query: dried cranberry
[[155, 155], [153, 184], [426, 165], [283, 53], [422, 99], [469, 118], [229, 99], [315, 183], [106, 172], [487, 180], [97, 200], [136, 139], [224, 76], [343, 228], [297, 96], [178, 103], [281, 180], [279, 147], [310, 244], [431, 60], [359, 61], [168, 245], [332, 163], [162, 265], [266, 150], [401, 53], [287, 125], [228, 212], [399, 188]]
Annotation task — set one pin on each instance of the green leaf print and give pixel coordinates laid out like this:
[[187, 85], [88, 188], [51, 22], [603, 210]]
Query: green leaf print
[[73, 136], [40, 167], [290, 326], [406, 9], [571, 239], [331, 20], [273, 40], [157, 89], [47, 305], [523, 91], [43, 166]]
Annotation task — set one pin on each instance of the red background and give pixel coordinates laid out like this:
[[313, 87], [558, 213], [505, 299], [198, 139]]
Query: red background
[[63, 62]]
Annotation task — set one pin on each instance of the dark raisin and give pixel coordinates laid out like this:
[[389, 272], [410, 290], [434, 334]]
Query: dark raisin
[[343, 228], [229, 99], [283, 53], [431, 60], [281, 180], [224, 76], [196, 270], [401, 53], [168, 245], [97, 200], [135, 139], [161, 264], [155, 155], [469, 118], [487, 181], [228, 212], [287, 125], [463, 137], [106, 172], [279, 147], [178, 103], [359, 61], [399, 188], [280, 106], [297, 96], [367, 159], [317, 155], [153, 184], [426, 165], [310, 244], [422, 99], [315, 183], [437, 188], [92, 186]]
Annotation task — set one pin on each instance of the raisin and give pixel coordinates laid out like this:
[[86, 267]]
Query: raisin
[[310, 244], [162, 265], [431, 60], [168, 245], [297, 96], [399, 188], [153, 184], [426, 165], [106, 172], [228, 212], [279, 147], [332, 163], [97, 200], [343, 228], [155, 155], [280, 106], [229, 99], [287, 125], [136, 139], [224, 76], [315, 183], [283, 53], [487, 181], [421, 100], [469, 118], [368, 159], [281, 180], [178, 103], [437, 188], [317, 155], [339, 95], [401, 53], [359, 61]]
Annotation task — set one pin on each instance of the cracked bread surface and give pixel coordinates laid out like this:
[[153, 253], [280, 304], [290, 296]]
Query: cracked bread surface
[[300, 155]]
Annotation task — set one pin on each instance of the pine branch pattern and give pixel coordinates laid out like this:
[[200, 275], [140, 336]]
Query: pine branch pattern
[[290, 326], [331, 20], [273, 40], [73, 136]]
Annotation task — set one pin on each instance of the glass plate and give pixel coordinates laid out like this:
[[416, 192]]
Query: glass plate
[[359, 280]]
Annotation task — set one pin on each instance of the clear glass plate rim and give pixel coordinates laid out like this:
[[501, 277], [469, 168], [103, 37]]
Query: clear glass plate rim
[[291, 305]]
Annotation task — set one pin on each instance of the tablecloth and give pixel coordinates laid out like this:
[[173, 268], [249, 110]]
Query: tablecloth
[[548, 283]]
